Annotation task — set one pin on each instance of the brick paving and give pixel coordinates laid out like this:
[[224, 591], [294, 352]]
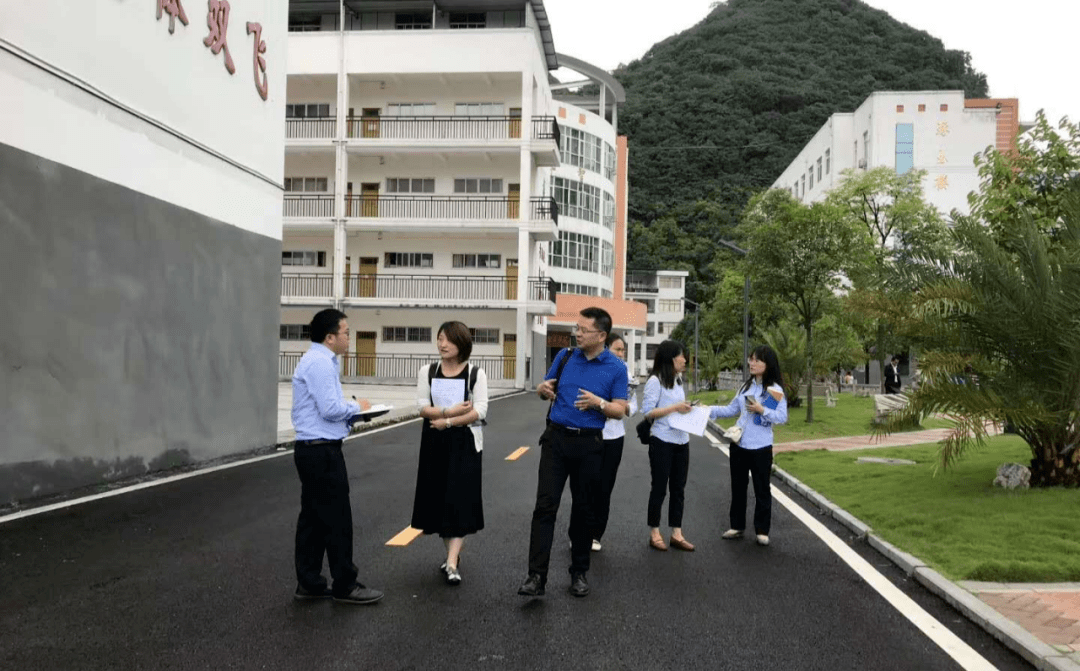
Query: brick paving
[[1049, 611], [868, 442]]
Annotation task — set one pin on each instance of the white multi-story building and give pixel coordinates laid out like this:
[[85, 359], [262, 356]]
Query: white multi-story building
[[423, 183], [662, 292], [936, 131]]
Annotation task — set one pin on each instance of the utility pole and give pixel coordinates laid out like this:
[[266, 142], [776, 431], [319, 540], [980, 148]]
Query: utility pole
[[746, 311]]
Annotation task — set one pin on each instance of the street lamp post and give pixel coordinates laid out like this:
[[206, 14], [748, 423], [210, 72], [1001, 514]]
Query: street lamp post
[[746, 311], [697, 353]]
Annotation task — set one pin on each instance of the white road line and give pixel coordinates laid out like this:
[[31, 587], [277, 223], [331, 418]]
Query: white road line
[[173, 478], [964, 654]]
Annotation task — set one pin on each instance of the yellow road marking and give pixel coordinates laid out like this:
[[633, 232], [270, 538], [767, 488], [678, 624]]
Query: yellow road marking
[[517, 453], [405, 537]]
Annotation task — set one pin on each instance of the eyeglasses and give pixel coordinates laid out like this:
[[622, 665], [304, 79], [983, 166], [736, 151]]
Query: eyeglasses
[[579, 330]]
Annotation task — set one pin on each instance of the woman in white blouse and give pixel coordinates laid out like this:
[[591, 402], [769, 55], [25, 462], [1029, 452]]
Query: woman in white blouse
[[613, 434]]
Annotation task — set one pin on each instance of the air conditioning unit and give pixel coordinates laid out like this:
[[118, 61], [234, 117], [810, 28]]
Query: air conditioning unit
[[862, 164]]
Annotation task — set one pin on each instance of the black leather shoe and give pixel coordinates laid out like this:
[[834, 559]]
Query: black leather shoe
[[304, 594], [579, 586], [533, 586]]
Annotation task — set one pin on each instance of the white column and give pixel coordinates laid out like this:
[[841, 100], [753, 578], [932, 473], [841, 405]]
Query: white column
[[525, 262], [341, 165]]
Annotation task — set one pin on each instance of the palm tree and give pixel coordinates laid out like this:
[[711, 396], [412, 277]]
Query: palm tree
[[1003, 342]]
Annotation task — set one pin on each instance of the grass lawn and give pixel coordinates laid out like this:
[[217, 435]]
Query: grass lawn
[[956, 521], [851, 417]]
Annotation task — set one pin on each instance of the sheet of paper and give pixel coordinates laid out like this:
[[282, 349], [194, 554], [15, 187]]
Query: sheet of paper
[[692, 422], [378, 408], [445, 393]]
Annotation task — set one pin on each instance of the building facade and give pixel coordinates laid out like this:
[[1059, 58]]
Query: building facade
[[663, 293], [425, 181], [936, 131], [140, 199]]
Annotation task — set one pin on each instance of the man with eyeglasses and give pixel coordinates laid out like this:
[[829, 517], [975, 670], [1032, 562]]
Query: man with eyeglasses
[[590, 389], [321, 415]]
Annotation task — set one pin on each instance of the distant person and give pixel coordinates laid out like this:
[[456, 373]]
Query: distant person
[[448, 498], [320, 415], [892, 376], [587, 390], [849, 379], [614, 434], [669, 447], [759, 404]]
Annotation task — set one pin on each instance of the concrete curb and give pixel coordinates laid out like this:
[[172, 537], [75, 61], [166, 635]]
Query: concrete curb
[[1042, 655]]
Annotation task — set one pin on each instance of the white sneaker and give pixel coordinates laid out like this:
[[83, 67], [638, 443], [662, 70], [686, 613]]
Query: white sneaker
[[732, 533], [762, 539], [596, 545]]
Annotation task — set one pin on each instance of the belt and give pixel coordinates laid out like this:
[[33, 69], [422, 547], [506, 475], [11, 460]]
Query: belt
[[572, 431], [318, 441]]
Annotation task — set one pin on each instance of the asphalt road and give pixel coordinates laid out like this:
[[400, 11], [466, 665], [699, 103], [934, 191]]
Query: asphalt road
[[197, 574]]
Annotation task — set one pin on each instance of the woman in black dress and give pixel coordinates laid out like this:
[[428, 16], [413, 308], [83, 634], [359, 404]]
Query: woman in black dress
[[448, 497]]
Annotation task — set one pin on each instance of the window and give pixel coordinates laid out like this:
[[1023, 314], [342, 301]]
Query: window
[[578, 289], [650, 329], [670, 282], [668, 305], [303, 24], [650, 350], [581, 149], [412, 20], [479, 109], [410, 185], [660, 328], [899, 108], [478, 185], [811, 173], [922, 108], [804, 185], [407, 260], [650, 304], [406, 334], [295, 332], [295, 258], [828, 161], [410, 109], [468, 20], [307, 111], [484, 336], [609, 161], [905, 147], [944, 107], [865, 148], [819, 169], [477, 260], [576, 252], [308, 184], [609, 211], [577, 199]]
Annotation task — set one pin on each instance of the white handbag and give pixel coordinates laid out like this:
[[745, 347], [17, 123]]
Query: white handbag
[[734, 434]]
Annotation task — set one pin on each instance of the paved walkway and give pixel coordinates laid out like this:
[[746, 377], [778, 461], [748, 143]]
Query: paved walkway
[[1049, 611]]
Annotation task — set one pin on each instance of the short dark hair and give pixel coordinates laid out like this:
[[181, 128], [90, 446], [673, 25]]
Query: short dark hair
[[458, 333], [895, 358], [324, 323], [663, 366], [600, 318], [613, 338]]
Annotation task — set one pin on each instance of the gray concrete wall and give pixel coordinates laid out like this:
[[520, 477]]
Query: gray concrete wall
[[134, 335]]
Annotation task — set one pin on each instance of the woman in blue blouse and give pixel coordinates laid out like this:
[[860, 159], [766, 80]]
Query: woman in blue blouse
[[759, 404], [669, 448]]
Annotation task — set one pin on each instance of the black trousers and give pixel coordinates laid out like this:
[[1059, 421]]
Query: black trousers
[[757, 466], [563, 456], [325, 523], [669, 464], [609, 469]]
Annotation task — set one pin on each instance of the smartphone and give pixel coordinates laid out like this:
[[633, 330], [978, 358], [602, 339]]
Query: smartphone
[[695, 403]]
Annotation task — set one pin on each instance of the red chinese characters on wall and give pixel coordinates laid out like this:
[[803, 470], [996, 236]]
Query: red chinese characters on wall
[[260, 62], [175, 10], [217, 19]]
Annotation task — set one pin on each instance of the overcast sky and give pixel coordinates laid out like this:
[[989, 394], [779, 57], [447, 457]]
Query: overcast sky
[[1021, 48]]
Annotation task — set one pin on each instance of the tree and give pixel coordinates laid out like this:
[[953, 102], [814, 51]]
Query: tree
[[1003, 329], [900, 227], [798, 255]]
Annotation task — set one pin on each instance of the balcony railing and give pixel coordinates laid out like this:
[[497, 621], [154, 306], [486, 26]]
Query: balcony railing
[[318, 128], [417, 287], [436, 128], [546, 128], [447, 207], [321, 205], [400, 366]]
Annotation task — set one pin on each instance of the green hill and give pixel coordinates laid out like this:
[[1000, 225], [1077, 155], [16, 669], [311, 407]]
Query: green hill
[[718, 111]]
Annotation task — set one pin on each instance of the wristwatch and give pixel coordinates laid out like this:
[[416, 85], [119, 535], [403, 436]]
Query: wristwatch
[[602, 404]]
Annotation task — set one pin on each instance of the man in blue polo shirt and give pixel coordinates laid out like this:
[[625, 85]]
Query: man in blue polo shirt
[[590, 389]]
